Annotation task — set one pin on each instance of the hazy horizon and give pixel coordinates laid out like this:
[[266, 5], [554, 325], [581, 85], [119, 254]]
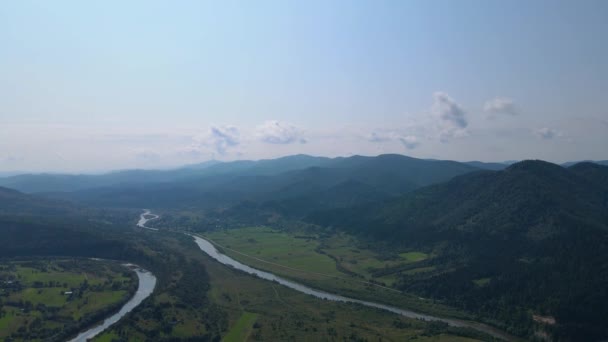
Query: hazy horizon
[[174, 167], [93, 87]]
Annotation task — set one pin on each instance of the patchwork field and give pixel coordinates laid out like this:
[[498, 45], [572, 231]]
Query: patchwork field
[[282, 248], [337, 263], [49, 299], [310, 253]]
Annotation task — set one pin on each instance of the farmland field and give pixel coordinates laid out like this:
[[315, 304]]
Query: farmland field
[[51, 299]]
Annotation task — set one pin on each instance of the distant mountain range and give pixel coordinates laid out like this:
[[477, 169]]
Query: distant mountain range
[[58, 182], [310, 180]]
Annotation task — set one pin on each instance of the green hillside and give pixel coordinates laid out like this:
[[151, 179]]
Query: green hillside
[[509, 244]]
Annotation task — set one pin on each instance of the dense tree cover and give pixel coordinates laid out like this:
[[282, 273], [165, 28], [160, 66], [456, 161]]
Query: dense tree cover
[[532, 239], [180, 297]]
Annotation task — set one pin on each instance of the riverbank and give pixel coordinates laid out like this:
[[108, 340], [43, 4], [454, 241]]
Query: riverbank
[[210, 250], [146, 285]]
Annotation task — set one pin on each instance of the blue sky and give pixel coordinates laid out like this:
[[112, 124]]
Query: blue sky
[[98, 85]]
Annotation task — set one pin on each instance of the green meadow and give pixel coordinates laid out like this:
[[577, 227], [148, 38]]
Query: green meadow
[[259, 310], [279, 247], [338, 263], [309, 253], [241, 329]]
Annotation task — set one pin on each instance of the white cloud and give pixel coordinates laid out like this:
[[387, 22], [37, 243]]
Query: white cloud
[[275, 132], [219, 138], [546, 133], [451, 117], [500, 105]]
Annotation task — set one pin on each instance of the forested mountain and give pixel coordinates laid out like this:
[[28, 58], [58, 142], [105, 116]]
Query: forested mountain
[[304, 179], [13, 202], [526, 197], [507, 244], [593, 172], [488, 166], [599, 162]]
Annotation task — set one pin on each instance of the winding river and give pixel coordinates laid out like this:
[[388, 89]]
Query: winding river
[[210, 250], [143, 219], [147, 282]]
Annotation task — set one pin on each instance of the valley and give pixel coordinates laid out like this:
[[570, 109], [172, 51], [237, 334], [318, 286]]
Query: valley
[[479, 255]]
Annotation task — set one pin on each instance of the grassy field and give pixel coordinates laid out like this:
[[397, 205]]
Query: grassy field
[[271, 245], [242, 328], [312, 253], [351, 255], [336, 263], [41, 299], [272, 312]]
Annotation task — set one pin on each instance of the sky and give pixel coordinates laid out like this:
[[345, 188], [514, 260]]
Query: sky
[[90, 86]]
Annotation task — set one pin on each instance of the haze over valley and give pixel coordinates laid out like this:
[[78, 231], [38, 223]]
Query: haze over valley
[[303, 171]]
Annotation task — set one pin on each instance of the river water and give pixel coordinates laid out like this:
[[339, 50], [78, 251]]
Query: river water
[[143, 219], [210, 250], [147, 282]]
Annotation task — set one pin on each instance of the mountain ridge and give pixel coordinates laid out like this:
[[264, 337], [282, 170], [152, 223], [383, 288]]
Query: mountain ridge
[[530, 232]]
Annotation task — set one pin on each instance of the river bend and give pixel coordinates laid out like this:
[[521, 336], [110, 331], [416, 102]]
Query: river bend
[[147, 282]]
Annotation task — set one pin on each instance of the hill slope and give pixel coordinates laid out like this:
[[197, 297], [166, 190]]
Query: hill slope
[[507, 244]]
